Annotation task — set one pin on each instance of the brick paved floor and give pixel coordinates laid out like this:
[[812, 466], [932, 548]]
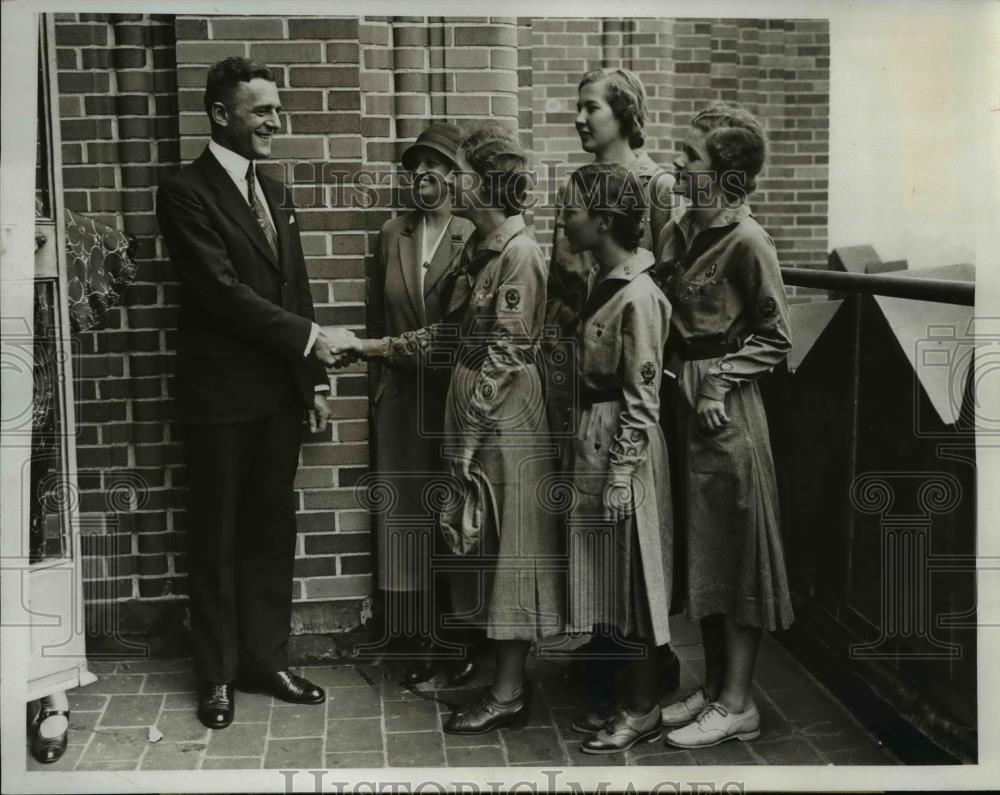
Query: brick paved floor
[[369, 721]]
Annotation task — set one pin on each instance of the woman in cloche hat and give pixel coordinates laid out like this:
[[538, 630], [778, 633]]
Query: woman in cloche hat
[[406, 287]]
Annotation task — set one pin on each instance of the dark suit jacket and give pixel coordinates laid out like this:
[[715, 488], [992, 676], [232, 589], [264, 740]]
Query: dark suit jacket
[[245, 314]]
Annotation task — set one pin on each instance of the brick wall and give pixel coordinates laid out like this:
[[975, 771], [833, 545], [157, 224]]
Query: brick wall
[[118, 107], [778, 68], [355, 92]]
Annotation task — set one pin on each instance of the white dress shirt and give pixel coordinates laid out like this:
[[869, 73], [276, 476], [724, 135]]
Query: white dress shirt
[[428, 254], [236, 166]]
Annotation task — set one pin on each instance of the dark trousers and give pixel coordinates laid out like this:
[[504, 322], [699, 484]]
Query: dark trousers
[[241, 542]]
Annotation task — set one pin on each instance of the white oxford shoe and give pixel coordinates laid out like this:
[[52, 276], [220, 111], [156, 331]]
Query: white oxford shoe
[[716, 724], [682, 712]]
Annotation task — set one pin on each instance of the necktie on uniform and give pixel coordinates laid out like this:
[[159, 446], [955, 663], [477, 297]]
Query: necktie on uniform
[[259, 212]]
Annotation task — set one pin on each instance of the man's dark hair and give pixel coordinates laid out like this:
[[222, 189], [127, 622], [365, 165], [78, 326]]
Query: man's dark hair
[[226, 75]]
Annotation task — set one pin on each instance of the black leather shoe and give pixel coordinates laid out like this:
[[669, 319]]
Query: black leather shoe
[[284, 685], [216, 706], [420, 671], [489, 714], [463, 672], [623, 731], [49, 749]]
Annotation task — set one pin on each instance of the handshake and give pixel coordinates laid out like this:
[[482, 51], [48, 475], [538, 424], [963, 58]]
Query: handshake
[[337, 347]]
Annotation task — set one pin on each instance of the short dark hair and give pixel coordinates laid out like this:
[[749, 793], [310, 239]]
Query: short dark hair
[[736, 146], [611, 189], [227, 74], [497, 157], [625, 94]]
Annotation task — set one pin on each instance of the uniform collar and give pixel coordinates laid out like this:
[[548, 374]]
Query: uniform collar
[[235, 164], [630, 267], [725, 216], [501, 235], [643, 166]]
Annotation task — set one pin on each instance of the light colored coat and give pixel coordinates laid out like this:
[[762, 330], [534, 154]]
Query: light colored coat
[[408, 402]]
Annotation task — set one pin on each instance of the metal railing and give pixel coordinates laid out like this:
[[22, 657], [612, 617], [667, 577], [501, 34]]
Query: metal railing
[[944, 291]]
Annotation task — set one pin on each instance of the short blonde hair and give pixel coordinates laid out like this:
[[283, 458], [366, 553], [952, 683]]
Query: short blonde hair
[[626, 95]]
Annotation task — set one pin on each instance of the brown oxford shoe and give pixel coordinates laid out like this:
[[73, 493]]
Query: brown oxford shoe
[[624, 731], [283, 685], [489, 714]]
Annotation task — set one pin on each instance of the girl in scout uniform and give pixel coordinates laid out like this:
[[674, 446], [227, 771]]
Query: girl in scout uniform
[[497, 441], [729, 327], [611, 118], [406, 288], [620, 522]]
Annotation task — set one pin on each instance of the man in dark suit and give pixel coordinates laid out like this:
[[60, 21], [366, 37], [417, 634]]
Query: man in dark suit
[[250, 363]]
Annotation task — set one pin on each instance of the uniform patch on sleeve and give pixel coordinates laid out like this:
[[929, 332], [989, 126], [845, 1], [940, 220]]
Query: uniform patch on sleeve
[[511, 299], [768, 306], [648, 373]]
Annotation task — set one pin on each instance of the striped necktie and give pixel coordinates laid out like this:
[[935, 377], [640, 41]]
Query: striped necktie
[[259, 212]]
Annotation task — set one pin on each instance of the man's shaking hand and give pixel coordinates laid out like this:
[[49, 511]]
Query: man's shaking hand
[[337, 347]]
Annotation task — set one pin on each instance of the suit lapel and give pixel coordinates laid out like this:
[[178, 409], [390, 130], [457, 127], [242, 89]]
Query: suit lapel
[[451, 247], [235, 206], [408, 262]]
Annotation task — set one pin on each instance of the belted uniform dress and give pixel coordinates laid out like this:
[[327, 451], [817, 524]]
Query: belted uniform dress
[[729, 327], [620, 573], [497, 444]]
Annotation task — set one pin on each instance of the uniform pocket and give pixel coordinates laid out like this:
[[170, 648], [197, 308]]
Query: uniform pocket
[[601, 352], [712, 306], [591, 448], [720, 463]]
